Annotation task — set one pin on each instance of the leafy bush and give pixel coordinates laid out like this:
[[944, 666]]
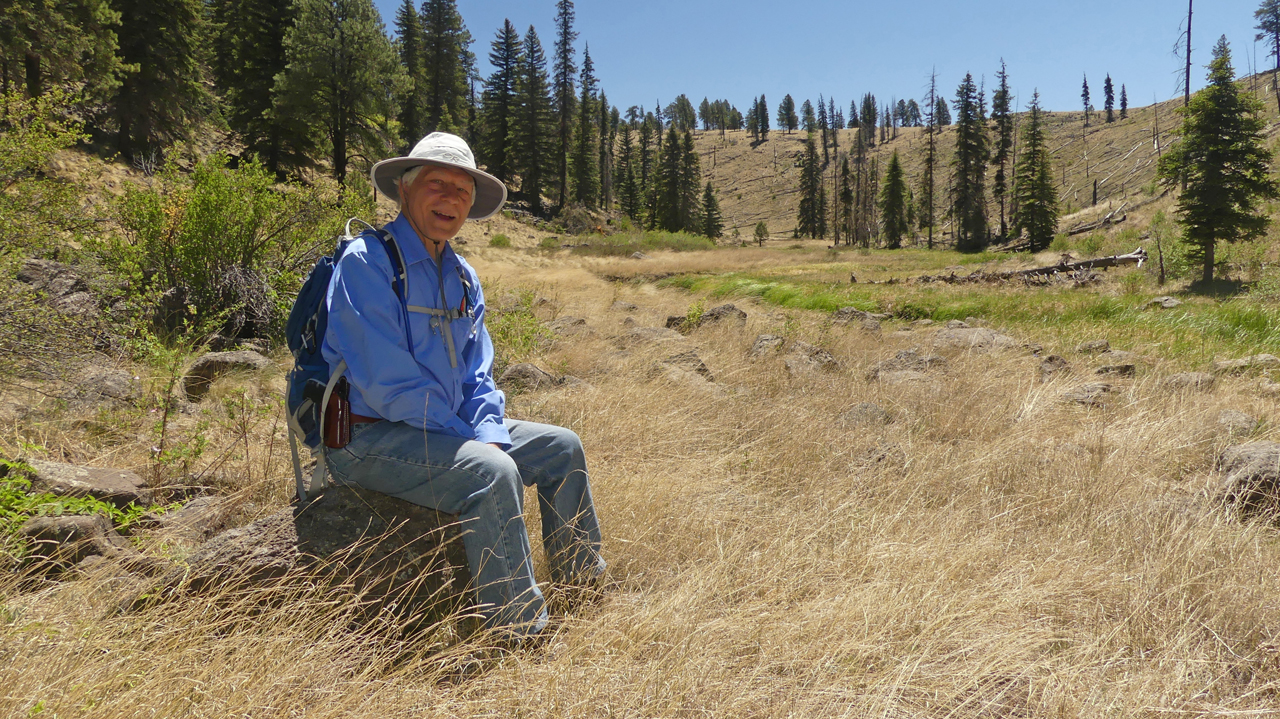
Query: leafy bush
[[626, 244], [513, 326], [34, 205], [223, 247], [500, 240], [549, 243]]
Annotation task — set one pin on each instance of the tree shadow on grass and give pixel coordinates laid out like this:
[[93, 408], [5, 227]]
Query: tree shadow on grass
[[1219, 289]]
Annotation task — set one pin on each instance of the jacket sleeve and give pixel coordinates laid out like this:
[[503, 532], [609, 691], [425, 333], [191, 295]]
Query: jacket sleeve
[[366, 327], [483, 403]]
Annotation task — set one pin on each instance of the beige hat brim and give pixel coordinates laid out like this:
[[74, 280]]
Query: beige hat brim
[[491, 193]]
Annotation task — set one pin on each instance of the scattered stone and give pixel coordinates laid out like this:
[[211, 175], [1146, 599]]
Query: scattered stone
[[1121, 370], [1093, 347], [957, 325], [629, 322], [723, 314], [870, 326], [805, 357], [620, 306], [1052, 366], [117, 486], [1235, 422], [1194, 381], [1093, 394], [921, 324], [213, 365], [102, 384], [1119, 357], [195, 521], [977, 339], [639, 256], [676, 322], [66, 290], [646, 336], [1251, 472], [690, 362], [566, 326], [1268, 387], [845, 315], [1035, 348], [974, 322], [866, 413], [398, 557], [525, 376], [1236, 366], [59, 543], [907, 360], [764, 345], [1164, 301]]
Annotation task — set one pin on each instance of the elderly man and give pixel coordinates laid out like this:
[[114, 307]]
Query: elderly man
[[427, 420]]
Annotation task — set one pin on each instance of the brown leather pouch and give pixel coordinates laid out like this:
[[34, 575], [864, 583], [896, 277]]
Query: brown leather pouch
[[337, 416]]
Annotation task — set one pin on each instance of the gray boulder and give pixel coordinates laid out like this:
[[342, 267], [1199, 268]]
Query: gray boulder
[[117, 486], [765, 345], [907, 360], [65, 289], [726, 314], [213, 365], [1052, 366], [976, 339], [196, 521], [1235, 422], [1093, 347], [568, 326], [100, 384], [1120, 370], [1236, 366], [397, 557], [1119, 357], [1189, 381], [805, 357], [689, 361], [59, 543], [845, 315], [1093, 394], [1164, 302], [525, 376], [1250, 475], [621, 306]]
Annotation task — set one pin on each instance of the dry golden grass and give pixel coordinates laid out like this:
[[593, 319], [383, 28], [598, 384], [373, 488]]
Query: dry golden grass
[[991, 552]]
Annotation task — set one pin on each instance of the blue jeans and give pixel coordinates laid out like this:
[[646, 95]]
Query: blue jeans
[[481, 484]]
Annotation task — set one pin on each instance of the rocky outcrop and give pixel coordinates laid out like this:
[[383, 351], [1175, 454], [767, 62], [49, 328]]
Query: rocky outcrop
[[117, 486], [213, 365], [804, 358], [1237, 366], [56, 544], [1093, 394], [689, 361], [975, 339], [906, 361], [1052, 366], [765, 345], [396, 556], [1093, 347], [1164, 302], [1189, 382], [67, 292], [1250, 475]]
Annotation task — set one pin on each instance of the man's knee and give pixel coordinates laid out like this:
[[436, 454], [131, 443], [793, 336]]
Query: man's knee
[[495, 473]]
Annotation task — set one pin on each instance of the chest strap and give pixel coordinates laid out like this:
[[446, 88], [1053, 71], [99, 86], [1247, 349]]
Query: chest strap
[[448, 316]]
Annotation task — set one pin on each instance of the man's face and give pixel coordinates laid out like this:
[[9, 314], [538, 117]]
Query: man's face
[[438, 201]]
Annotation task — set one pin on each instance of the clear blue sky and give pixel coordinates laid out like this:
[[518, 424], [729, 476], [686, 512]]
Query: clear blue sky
[[656, 49]]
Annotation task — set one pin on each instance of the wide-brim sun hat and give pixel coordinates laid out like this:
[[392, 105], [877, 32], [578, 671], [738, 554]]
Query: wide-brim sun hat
[[442, 149]]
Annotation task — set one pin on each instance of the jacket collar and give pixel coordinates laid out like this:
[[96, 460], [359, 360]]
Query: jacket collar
[[411, 245]]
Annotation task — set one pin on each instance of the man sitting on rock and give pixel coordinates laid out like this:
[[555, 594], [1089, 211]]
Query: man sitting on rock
[[427, 420]]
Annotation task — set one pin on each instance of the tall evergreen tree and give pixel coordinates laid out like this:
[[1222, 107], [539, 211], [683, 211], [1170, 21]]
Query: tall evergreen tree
[[869, 114], [607, 123], [585, 165], [969, 169], [787, 119], [837, 123], [248, 53], [928, 180], [563, 74], [1268, 27], [411, 42], [165, 96], [753, 121], [341, 79], [1035, 201], [447, 63], [665, 211], [499, 102], [914, 117], [893, 205], [1124, 102], [645, 155], [1224, 162], [763, 118], [1003, 119], [69, 43], [712, 222], [1109, 98], [690, 182], [532, 140], [845, 201], [808, 122], [628, 186], [942, 112], [810, 219], [1084, 98], [824, 127]]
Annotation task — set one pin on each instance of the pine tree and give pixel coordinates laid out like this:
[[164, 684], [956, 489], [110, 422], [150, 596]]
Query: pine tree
[[712, 223], [854, 123], [1224, 162], [411, 39], [933, 102], [665, 211], [845, 197], [943, 118], [644, 140], [499, 102], [1124, 103], [823, 127], [563, 84], [1109, 98], [837, 123], [628, 186], [1035, 201], [342, 78], [1084, 98], [165, 96], [248, 53], [447, 64], [968, 199], [763, 118], [808, 122], [893, 205], [1268, 27], [705, 114], [532, 144], [608, 127], [914, 117], [681, 113], [787, 119], [753, 123], [1003, 118], [690, 182], [869, 114], [585, 165], [810, 216], [71, 43]]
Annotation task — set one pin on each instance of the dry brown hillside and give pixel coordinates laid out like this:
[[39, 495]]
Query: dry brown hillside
[[760, 181]]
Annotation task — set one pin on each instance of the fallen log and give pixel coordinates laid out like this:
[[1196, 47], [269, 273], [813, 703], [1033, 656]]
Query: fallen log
[[1137, 257], [1110, 219], [1080, 271]]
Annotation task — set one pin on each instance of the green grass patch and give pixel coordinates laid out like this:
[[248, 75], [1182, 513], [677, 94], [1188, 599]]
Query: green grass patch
[[499, 240], [514, 327], [628, 243]]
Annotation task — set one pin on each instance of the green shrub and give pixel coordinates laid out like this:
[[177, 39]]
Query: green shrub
[[223, 246], [35, 206], [500, 240], [549, 243], [1092, 243], [513, 326]]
